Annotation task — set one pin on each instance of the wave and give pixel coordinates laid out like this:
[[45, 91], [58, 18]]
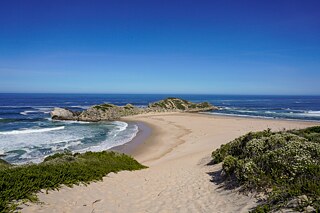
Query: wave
[[28, 112], [70, 122], [28, 131], [113, 141], [270, 112], [34, 147], [313, 112], [81, 107], [310, 114], [45, 110], [121, 125], [66, 146]]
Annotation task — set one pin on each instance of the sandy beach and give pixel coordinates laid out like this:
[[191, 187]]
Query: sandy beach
[[176, 147]]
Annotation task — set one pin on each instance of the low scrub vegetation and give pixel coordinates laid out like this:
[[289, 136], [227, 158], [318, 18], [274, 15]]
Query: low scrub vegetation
[[104, 107], [22, 182], [285, 166]]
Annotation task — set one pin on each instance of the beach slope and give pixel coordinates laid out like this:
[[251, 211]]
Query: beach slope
[[178, 178]]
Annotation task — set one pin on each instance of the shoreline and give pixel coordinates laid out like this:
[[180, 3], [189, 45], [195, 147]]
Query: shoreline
[[179, 178], [147, 131], [144, 132]]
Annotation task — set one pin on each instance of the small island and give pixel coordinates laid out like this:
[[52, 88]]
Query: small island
[[111, 112]]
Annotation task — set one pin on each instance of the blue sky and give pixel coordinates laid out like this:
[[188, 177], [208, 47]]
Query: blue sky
[[160, 46]]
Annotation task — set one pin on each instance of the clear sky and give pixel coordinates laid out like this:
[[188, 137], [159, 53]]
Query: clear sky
[[160, 46]]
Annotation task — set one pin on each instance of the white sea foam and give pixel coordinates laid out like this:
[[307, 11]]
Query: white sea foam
[[45, 110], [73, 122], [310, 114], [228, 108], [81, 107], [121, 126], [28, 131], [66, 146], [28, 112], [80, 138], [122, 138], [313, 112], [270, 112], [68, 140]]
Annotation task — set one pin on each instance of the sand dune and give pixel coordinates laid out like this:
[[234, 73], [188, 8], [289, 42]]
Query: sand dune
[[178, 178]]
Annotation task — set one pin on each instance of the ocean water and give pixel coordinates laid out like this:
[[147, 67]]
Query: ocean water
[[27, 134]]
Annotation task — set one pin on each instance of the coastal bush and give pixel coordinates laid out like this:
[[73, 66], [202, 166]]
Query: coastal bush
[[283, 165], [177, 104], [22, 182]]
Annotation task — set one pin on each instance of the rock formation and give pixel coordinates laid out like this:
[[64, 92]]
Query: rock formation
[[64, 114], [110, 112], [177, 104]]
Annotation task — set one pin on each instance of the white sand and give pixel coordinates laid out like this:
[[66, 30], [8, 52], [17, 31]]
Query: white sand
[[177, 180]]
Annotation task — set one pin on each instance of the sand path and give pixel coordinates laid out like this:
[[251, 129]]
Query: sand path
[[178, 178]]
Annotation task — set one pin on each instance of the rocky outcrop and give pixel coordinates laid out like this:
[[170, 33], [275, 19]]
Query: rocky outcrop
[[110, 112], [63, 114], [177, 104]]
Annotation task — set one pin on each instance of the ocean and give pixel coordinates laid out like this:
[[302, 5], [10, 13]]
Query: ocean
[[27, 134]]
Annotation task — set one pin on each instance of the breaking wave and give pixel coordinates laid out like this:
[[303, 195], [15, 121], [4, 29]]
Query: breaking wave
[[28, 131]]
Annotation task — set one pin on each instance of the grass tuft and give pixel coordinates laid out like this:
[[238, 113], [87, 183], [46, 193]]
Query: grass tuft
[[22, 182]]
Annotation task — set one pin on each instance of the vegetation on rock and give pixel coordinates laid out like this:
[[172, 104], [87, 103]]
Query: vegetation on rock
[[22, 182], [284, 165], [104, 107], [112, 112], [180, 104]]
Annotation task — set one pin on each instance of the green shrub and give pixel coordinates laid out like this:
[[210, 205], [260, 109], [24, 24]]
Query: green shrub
[[287, 162], [229, 164], [22, 182]]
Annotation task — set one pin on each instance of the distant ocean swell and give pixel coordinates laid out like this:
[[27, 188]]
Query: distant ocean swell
[[283, 113]]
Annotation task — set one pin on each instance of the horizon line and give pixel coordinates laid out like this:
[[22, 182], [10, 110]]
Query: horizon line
[[101, 93]]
